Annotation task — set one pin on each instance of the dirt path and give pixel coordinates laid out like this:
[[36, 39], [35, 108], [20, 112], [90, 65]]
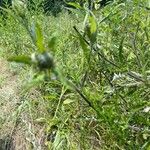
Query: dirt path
[[14, 137], [9, 98]]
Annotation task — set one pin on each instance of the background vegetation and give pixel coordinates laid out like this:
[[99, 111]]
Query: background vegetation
[[90, 70]]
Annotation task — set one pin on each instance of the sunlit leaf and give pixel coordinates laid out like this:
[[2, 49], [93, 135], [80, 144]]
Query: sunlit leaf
[[93, 24], [39, 39], [76, 5], [58, 142], [20, 59], [41, 120], [68, 101], [93, 28]]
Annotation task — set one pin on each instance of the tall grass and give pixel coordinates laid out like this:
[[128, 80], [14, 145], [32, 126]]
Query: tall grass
[[108, 105]]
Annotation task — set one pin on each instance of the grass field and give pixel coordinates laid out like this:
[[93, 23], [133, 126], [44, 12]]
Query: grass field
[[94, 94]]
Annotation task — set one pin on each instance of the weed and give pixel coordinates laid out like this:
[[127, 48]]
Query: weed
[[92, 73]]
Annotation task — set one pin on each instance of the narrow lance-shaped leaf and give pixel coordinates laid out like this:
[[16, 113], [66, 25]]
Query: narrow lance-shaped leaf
[[32, 33], [93, 28], [84, 46], [21, 59], [76, 5], [120, 49], [39, 39]]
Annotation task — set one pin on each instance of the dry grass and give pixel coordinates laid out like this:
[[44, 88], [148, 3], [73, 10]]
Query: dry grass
[[14, 128]]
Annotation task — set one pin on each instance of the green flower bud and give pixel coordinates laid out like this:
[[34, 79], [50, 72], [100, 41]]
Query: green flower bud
[[44, 60]]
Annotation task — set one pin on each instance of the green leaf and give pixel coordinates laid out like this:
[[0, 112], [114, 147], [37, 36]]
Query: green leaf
[[20, 59], [76, 5], [93, 24], [120, 49], [68, 101], [58, 142], [39, 39], [32, 33], [93, 28], [84, 46], [52, 43], [41, 120]]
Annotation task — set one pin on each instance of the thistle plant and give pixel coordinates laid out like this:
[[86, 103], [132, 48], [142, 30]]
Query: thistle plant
[[43, 61]]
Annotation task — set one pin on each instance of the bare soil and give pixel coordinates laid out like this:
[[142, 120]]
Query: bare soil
[[16, 132], [8, 101]]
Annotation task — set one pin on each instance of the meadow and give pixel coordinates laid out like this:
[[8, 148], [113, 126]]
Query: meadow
[[82, 79]]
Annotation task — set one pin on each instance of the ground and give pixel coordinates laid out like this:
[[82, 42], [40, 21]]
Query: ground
[[8, 100], [13, 134]]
